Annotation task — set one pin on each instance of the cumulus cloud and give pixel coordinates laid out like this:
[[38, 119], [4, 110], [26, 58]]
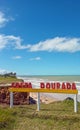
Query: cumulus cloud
[[16, 57], [36, 58], [59, 44], [4, 19], [11, 41]]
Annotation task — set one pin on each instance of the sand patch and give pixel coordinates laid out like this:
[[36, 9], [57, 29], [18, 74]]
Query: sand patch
[[43, 98]]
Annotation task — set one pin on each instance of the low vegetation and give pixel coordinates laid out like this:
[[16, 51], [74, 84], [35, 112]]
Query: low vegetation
[[55, 116], [8, 79]]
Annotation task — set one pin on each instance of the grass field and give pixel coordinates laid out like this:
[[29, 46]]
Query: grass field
[[9, 79], [55, 116]]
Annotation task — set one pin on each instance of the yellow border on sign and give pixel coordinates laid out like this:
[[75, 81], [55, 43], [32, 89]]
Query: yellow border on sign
[[66, 91]]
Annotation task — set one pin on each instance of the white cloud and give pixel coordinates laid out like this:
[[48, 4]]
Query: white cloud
[[36, 58], [11, 41], [60, 44], [4, 19], [3, 71], [16, 57]]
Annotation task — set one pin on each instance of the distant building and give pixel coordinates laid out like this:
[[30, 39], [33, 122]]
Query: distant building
[[11, 74]]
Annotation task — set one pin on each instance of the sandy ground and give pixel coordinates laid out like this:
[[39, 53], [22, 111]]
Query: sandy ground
[[43, 98]]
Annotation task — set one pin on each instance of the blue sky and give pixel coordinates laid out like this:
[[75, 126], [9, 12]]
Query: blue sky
[[40, 37]]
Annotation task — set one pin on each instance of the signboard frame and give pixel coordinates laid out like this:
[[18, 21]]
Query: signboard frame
[[42, 90]]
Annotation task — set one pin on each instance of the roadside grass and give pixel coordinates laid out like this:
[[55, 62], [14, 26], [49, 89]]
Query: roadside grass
[[54, 116]]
